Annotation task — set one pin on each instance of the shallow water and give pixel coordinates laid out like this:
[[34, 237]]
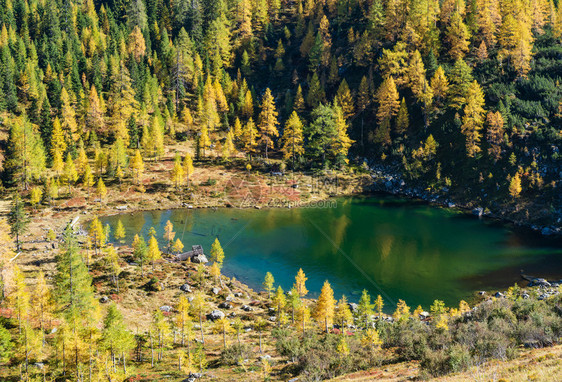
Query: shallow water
[[395, 247]]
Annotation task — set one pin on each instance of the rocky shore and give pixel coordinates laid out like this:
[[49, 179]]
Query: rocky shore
[[386, 180]]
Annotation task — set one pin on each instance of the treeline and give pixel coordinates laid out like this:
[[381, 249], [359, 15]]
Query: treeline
[[454, 93]]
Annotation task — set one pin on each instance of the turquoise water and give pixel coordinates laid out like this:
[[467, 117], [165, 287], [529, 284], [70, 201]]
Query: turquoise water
[[390, 246]]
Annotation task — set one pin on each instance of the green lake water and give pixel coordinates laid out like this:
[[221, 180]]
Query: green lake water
[[395, 247]]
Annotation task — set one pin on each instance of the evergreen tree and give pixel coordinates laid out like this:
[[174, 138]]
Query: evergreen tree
[[268, 122], [18, 220], [292, 139], [25, 155]]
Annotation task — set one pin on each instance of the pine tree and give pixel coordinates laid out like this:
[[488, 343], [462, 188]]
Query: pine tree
[[112, 259], [153, 251], [58, 163], [515, 186], [120, 232], [460, 80], [473, 119], [388, 100], [178, 246], [379, 304], [95, 113], [177, 174], [188, 167], [18, 220], [279, 301], [403, 118], [342, 142], [198, 304], [343, 314], [74, 294], [457, 37], [68, 123], [116, 339], [35, 197], [300, 283], [268, 283], [292, 139], [169, 233], [439, 84], [183, 320], [204, 140], [58, 142], [122, 100], [402, 312], [249, 136], [25, 155], [88, 178], [140, 251], [345, 100], [325, 307], [69, 175], [268, 122], [19, 298], [365, 308], [101, 190], [137, 166], [495, 134]]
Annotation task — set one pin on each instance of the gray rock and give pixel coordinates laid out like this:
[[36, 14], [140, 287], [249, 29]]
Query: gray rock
[[238, 294], [525, 296], [424, 315], [54, 330], [199, 259], [166, 308], [272, 318], [190, 299], [352, 306], [247, 308], [216, 290], [479, 211], [225, 305], [215, 315], [185, 288], [229, 298], [266, 357], [232, 314], [104, 299], [39, 365], [499, 295], [547, 231]]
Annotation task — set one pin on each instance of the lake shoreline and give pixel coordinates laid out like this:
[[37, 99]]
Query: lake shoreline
[[389, 182]]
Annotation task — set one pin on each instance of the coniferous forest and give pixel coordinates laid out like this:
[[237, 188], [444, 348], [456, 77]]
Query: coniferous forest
[[104, 103]]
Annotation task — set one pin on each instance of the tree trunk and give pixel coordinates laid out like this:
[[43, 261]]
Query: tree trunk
[[201, 327]]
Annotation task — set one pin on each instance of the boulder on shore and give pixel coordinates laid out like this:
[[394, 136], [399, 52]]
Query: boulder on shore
[[199, 259]]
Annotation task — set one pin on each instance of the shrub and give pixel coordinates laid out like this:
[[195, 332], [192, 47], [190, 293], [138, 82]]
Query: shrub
[[232, 354]]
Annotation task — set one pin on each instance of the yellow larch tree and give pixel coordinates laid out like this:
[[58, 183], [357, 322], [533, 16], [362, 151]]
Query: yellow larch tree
[[388, 99], [325, 307], [473, 119], [268, 122], [292, 140]]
